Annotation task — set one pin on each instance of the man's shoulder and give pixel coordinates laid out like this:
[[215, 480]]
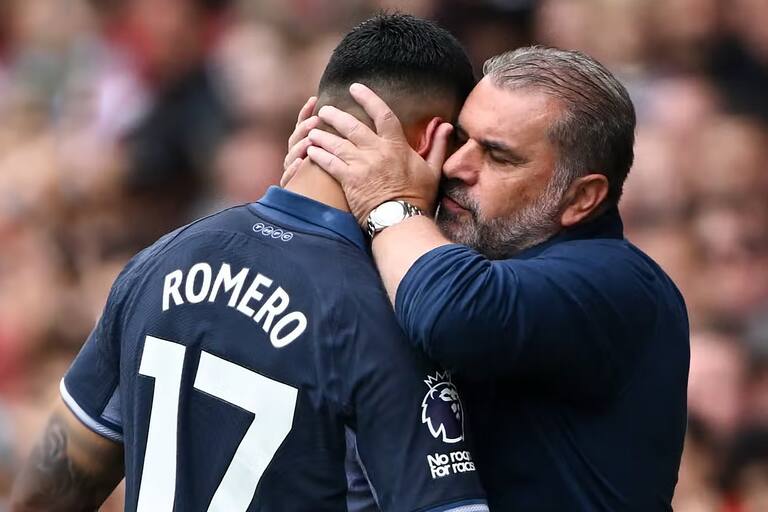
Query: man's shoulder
[[616, 254], [582, 247], [611, 262]]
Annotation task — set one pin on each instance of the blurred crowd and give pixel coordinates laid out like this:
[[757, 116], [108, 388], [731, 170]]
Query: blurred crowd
[[123, 119]]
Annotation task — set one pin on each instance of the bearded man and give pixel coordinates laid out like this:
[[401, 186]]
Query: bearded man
[[571, 344]]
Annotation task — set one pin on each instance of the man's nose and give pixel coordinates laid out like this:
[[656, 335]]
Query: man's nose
[[464, 164]]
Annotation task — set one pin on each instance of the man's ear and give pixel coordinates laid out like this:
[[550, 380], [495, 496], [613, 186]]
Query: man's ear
[[424, 144], [585, 196]]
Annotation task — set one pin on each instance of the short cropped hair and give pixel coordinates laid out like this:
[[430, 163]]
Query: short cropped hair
[[399, 54], [596, 133]]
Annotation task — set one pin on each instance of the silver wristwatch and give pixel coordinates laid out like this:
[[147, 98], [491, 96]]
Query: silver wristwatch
[[390, 213]]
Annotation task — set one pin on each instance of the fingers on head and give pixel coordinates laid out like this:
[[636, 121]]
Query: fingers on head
[[307, 109], [332, 143], [305, 126], [301, 131], [329, 162], [346, 124], [297, 150], [385, 120], [290, 172]]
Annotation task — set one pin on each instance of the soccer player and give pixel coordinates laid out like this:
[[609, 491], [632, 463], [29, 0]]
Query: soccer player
[[236, 354]]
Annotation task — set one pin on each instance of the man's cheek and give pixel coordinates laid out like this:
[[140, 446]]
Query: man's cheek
[[493, 207]]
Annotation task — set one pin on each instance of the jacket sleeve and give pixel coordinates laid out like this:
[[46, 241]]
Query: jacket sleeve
[[567, 319]]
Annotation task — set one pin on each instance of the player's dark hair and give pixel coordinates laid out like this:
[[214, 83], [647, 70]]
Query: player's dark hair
[[399, 54]]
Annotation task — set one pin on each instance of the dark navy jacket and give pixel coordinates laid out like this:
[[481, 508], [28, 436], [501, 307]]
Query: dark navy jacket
[[574, 363], [236, 356]]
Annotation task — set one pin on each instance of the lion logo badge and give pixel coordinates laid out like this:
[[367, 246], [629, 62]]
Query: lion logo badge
[[441, 409]]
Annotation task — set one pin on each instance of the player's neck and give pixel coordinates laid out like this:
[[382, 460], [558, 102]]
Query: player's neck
[[313, 182]]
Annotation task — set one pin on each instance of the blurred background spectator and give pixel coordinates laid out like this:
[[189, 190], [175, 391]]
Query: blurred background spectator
[[122, 119]]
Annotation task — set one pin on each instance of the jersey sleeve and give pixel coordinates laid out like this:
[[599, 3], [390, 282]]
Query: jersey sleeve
[[407, 415], [572, 320], [90, 387]]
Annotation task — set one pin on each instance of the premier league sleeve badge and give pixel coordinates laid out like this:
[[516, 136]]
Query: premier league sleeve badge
[[441, 409]]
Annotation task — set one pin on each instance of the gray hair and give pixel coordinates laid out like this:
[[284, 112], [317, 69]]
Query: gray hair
[[596, 134]]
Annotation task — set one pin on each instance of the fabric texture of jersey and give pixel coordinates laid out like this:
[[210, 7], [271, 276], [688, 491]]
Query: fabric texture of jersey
[[237, 355], [573, 360]]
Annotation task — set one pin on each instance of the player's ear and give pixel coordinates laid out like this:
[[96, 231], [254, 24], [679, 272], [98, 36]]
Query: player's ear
[[424, 144]]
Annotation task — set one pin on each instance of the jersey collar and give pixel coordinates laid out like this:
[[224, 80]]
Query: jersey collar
[[607, 225], [300, 211]]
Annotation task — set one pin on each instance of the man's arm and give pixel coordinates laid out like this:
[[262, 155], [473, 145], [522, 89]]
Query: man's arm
[[572, 320], [397, 248], [71, 468], [559, 322]]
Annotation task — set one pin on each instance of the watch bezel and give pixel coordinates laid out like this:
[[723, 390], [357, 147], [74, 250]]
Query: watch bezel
[[382, 217], [376, 224]]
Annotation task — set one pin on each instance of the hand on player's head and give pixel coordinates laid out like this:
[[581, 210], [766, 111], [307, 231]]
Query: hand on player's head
[[376, 166], [298, 142]]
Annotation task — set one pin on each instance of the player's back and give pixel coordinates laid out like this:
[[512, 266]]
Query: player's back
[[236, 352], [231, 321]]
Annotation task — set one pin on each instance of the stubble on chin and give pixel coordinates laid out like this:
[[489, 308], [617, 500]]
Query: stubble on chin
[[503, 238], [458, 230]]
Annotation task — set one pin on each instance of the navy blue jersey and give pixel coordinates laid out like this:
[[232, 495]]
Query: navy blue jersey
[[574, 359], [236, 356]]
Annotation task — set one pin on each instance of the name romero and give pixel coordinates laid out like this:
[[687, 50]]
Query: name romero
[[199, 285]]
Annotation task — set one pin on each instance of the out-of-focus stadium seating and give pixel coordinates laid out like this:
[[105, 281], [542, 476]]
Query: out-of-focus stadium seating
[[122, 119]]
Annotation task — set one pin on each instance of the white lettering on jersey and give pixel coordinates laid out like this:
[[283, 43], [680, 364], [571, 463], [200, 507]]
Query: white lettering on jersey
[[446, 464], [283, 326], [301, 324], [199, 296], [171, 289], [275, 305], [224, 277], [253, 293]]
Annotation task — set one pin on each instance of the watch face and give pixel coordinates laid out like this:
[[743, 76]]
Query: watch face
[[388, 213]]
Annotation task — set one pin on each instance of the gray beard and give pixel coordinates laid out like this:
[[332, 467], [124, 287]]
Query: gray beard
[[501, 238]]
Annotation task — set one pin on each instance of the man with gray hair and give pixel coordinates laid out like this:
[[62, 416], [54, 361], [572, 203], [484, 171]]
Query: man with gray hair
[[571, 344]]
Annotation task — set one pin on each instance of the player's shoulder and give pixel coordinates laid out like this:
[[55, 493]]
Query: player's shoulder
[[237, 238], [236, 219], [232, 232], [224, 221], [229, 219]]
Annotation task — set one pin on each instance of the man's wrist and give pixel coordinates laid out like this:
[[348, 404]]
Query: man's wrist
[[422, 204], [390, 213]]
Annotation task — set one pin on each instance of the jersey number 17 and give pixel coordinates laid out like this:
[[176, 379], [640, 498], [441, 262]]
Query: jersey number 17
[[272, 403]]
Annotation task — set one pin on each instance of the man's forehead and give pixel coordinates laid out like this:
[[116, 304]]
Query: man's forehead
[[498, 110]]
